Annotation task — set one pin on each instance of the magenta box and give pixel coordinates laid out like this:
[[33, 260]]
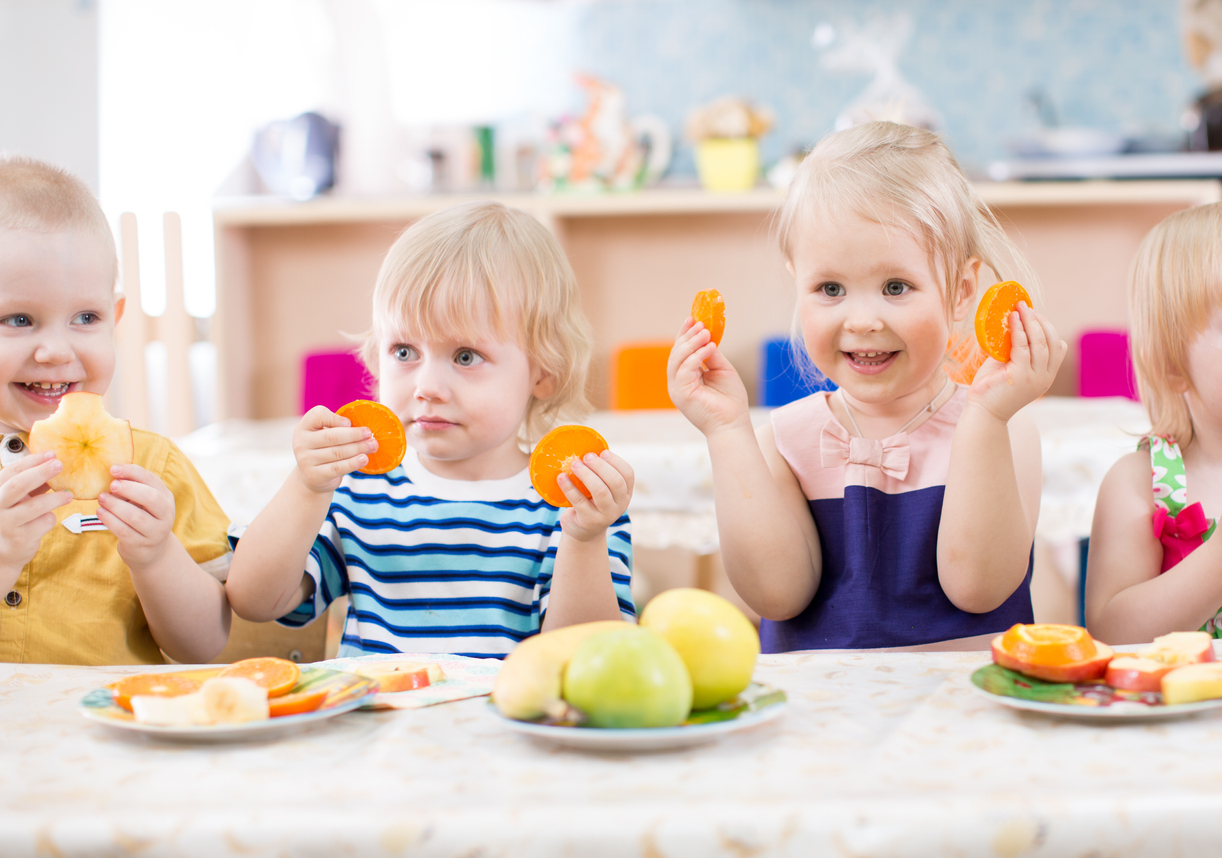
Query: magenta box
[[333, 379], [1104, 365]]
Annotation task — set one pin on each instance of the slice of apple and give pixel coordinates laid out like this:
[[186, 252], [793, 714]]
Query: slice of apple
[[1180, 648], [1136, 674], [87, 440], [393, 676], [1193, 682]]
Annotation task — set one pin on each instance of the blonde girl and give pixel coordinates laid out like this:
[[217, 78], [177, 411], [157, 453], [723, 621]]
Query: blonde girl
[[1152, 566], [478, 345], [900, 510]]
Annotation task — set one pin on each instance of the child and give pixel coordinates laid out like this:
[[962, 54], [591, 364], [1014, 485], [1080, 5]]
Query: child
[[151, 582], [477, 343], [1152, 567], [899, 510]]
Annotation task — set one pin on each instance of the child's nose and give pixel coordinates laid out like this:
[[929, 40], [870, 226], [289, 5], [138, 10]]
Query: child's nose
[[863, 316], [430, 379], [53, 349]]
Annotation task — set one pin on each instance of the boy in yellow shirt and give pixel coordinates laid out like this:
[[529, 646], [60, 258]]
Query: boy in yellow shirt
[[151, 580]]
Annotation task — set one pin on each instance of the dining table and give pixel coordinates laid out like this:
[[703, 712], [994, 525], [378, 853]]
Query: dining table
[[874, 754]]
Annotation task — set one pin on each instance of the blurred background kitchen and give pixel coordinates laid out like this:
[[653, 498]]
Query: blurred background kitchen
[[290, 140]]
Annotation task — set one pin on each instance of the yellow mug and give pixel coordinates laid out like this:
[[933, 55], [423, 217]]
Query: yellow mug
[[727, 164]]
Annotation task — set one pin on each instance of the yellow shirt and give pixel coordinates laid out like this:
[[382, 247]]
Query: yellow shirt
[[77, 601]]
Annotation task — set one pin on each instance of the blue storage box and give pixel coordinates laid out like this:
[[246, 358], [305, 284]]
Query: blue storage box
[[780, 379]]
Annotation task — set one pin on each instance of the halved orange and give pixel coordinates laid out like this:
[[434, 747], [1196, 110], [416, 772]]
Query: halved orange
[[387, 430], [554, 454], [296, 704], [993, 317], [277, 675], [1048, 643], [153, 685], [710, 308]]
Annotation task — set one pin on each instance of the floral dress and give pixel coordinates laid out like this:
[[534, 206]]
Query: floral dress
[[1180, 526]]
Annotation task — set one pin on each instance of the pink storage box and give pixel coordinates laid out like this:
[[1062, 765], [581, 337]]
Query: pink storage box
[[1104, 365], [333, 379]]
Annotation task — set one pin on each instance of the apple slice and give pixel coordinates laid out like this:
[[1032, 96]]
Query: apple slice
[[393, 676], [1193, 682], [1136, 674], [1180, 648], [87, 440]]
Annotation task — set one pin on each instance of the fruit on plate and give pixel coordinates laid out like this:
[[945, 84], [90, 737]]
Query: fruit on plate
[[1193, 682], [1145, 669], [387, 430], [86, 440], [529, 683], [233, 700], [628, 677], [555, 453], [392, 676], [276, 675], [717, 643], [1053, 652], [296, 703], [151, 685], [993, 317], [710, 308]]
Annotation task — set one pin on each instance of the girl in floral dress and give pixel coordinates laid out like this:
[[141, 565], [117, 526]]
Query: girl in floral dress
[[1152, 567]]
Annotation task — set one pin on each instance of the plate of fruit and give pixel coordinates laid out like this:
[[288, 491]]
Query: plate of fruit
[[253, 698], [1061, 670], [680, 678]]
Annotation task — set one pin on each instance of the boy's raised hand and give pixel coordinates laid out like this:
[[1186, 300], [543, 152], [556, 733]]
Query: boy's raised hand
[[703, 385], [609, 479], [27, 511], [328, 448], [1036, 352], [139, 510]]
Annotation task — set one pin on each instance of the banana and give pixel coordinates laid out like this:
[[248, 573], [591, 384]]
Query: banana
[[232, 700], [528, 686]]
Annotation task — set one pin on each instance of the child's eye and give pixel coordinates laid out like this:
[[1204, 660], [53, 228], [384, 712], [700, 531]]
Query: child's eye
[[403, 353], [17, 320], [895, 287], [831, 290], [466, 357], [86, 319]]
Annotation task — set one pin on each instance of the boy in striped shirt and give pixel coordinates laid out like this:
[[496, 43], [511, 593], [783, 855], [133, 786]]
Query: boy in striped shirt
[[479, 345]]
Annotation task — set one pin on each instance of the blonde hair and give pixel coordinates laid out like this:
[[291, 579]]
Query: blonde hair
[[478, 263], [1175, 286], [905, 177], [40, 197]]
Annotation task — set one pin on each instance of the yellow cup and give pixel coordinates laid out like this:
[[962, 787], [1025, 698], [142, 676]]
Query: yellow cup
[[728, 164]]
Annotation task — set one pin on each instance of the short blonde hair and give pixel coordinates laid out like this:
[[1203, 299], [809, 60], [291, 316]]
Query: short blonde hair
[[459, 269], [40, 197], [904, 177], [1175, 286]]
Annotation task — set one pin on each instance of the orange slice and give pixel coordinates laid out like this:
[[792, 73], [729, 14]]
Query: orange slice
[[1050, 651], [152, 685], [387, 430], [710, 308], [993, 317], [277, 675], [296, 704], [554, 454]]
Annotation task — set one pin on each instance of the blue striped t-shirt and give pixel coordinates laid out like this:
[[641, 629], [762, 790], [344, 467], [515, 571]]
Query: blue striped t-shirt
[[437, 565]]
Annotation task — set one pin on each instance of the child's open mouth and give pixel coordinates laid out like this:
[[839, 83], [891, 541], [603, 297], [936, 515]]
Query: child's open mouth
[[870, 362], [49, 391]]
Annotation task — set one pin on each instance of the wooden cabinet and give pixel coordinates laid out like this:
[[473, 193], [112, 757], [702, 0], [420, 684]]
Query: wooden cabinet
[[298, 277]]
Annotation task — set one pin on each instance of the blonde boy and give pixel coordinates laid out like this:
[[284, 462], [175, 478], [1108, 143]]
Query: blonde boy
[[151, 582]]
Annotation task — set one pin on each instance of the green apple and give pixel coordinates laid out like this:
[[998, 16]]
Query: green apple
[[716, 641], [628, 677]]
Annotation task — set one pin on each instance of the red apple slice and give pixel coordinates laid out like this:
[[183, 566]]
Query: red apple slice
[[1193, 682], [1136, 674], [393, 676], [1180, 648], [87, 440]]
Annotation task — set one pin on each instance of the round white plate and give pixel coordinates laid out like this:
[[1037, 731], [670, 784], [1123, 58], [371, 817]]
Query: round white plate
[[651, 739], [1130, 713]]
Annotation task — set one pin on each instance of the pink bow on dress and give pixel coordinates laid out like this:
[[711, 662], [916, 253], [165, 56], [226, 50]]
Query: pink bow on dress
[[1180, 534], [859, 455]]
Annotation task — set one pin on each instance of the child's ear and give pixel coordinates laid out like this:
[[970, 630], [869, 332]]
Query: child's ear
[[545, 385], [969, 280], [120, 306], [789, 267]]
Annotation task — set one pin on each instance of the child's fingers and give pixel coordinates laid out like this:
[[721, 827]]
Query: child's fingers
[[625, 470], [601, 478], [337, 437], [19, 480], [35, 508], [575, 495], [159, 503], [688, 341], [321, 417], [321, 457], [123, 531]]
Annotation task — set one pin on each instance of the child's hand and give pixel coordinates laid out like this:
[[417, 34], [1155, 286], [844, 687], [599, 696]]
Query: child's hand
[[26, 512], [328, 448], [139, 511], [1036, 353], [609, 479], [704, 386]]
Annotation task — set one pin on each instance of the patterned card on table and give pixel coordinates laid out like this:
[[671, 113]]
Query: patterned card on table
[[465, 677]]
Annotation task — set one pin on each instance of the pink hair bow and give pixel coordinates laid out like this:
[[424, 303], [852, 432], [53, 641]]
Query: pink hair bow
[[838, 448], [1179, 534]]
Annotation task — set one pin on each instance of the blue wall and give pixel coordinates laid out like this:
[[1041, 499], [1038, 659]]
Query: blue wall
[[1114, 64]]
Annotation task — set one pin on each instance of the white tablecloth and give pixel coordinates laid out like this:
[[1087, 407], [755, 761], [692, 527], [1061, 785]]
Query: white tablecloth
[[878, 755], [245, 462]]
